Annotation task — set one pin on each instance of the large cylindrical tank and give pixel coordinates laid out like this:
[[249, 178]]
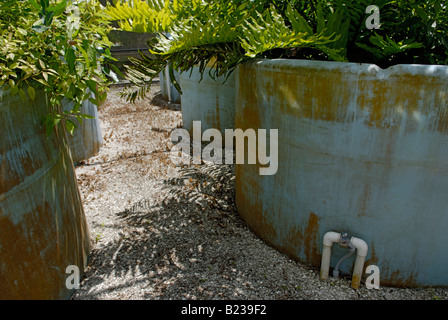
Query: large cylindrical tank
[[210, 101], [361, 150], [43, 229], [87, 139], [164, 85]]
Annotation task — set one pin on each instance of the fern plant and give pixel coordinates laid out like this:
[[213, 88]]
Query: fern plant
[[142, 16], [411, 31], [223, 34], [268, 32], [220, 34]]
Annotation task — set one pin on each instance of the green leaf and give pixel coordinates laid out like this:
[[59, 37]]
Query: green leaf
[[22, 94], [37, 50], [116, 70], [92, 86], [14, 90], [86, 57], [103, 96], [42, 64], [31, 92], [320, 19], [13, 66], [50, 122], [23, 32], [34, 4], [94, 101], [86, 116], [70, 57], [44, 4], [42, 81], [70, 126], [59, 8]]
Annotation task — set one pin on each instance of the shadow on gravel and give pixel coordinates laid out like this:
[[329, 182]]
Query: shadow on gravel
[[178, 248], [160, 101]]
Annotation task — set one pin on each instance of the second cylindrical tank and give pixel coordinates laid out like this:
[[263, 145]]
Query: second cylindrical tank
[[360, 149]]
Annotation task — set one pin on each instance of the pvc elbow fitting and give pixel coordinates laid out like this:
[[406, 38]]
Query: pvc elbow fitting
[[361, 248], [330, 238]]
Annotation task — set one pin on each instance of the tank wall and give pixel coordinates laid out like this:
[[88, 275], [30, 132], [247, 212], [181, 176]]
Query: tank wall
[[87, 139], [210, 101], [42, 223], [175, 95], [362, 150]]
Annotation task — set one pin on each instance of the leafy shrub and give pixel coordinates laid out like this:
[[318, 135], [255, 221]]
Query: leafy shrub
[[58, 47]]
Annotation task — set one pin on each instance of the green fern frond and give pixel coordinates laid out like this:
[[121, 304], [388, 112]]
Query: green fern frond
[[269, 32], [142, 16], [387, 47]]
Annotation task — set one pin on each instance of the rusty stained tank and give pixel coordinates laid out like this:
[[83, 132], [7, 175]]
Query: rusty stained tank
[[361, 150], [210, 101], [43, 229]]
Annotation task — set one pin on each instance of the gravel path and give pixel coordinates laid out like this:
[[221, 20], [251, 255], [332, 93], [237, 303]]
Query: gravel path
[[164, 232]]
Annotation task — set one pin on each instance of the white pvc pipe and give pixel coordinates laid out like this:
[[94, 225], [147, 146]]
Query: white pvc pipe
[[329, 239], [361, 253], [361, 250]]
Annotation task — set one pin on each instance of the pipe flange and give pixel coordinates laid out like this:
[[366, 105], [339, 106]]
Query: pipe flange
[[345, 239]]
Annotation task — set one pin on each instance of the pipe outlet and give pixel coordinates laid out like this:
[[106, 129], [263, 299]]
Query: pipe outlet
[[329, 239], [361, 253]]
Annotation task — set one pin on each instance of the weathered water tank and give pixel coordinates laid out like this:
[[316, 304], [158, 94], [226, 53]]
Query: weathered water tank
[[164, 85], [87, 139], [362, 150], [210, 101], [43, 229]]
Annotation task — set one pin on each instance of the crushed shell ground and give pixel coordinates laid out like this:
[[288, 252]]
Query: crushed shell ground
[[161, 231]]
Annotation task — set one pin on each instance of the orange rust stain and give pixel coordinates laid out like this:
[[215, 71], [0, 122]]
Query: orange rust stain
[[311, 95], [356, 281], [377, 106], [364, 201], [218, 124], [28, 251], [4, 179], [37, 250], [388, 278], [373, 260], [326, 95], [311, 240], [249, 92], [442, 113], [251, 210], [306, 240], [49, 236], [389, 100], [395, 279]]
